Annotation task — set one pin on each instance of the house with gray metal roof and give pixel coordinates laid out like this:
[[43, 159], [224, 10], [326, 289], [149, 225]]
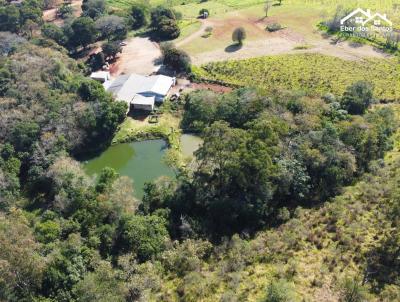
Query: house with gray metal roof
[[142, 92]]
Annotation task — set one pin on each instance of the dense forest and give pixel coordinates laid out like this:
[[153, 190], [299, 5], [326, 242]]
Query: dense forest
[[292, 196]]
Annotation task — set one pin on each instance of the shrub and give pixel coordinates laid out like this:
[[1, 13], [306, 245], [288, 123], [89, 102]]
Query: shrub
[[274, 27], [279, 291], [204, 13], [47, 231], [55, 33], [65, 11], [352, 291], [207, 32], [358, 97], [333, 24]]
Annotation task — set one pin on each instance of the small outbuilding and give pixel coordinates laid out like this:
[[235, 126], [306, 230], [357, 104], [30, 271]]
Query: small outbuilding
[[140, 102], [101, 76]]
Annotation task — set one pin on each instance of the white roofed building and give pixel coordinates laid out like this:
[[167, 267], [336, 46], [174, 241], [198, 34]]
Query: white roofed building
[[140, 102], [101, 76], [140, 91]]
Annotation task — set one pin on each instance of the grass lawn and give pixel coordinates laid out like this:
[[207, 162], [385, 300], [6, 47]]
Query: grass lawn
[[191, 10], [187, 27], [167, 128], [134, 129]]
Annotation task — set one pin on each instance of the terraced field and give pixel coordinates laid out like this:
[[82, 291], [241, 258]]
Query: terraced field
[[307, 72]]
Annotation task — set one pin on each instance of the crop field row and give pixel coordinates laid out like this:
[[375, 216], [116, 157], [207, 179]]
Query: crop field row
[[313, 73]]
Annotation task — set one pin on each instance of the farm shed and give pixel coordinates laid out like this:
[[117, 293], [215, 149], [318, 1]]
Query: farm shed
[[140, 91]]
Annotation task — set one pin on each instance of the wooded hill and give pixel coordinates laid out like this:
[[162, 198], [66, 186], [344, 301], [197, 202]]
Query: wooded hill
[[288, 199]]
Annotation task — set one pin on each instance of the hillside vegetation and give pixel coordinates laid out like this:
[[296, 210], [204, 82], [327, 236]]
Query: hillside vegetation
[[293, 195], [313, 73], [229, 227], [344, 251]]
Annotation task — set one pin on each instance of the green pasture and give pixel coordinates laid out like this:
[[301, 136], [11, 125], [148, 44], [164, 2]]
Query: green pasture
[[191, 10], [190, 7], [300, 16], [304, 25], [187, 28]]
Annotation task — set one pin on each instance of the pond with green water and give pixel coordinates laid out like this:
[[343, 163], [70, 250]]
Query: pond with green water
[[141, 161], [190, 143]]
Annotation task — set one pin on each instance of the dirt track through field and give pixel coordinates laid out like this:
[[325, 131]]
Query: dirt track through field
[[50, 15], [276, 46], [282, 42], [197, 34]]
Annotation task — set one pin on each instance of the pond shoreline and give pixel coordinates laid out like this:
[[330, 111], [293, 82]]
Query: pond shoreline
[[137, 129], [140, 161]]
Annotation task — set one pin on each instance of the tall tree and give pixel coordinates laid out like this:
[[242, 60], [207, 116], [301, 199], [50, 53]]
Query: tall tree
[[93, 8], [84, 32], [139, 15], [111, 27], [111, 49], [238, 35], [267, 7]]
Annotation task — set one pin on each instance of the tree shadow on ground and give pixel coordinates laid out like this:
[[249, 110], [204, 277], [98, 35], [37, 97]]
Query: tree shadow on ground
[[337, 40], [158, 61], [83, 52], [354, 44], [138, 115], [233, 47]]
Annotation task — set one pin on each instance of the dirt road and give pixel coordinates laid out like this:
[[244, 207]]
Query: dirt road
[[276, 46], [204, 24], [50, 15], [281, 42]]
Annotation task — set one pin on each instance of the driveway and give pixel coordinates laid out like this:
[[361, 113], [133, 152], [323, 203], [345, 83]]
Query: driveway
[[138, 56]]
